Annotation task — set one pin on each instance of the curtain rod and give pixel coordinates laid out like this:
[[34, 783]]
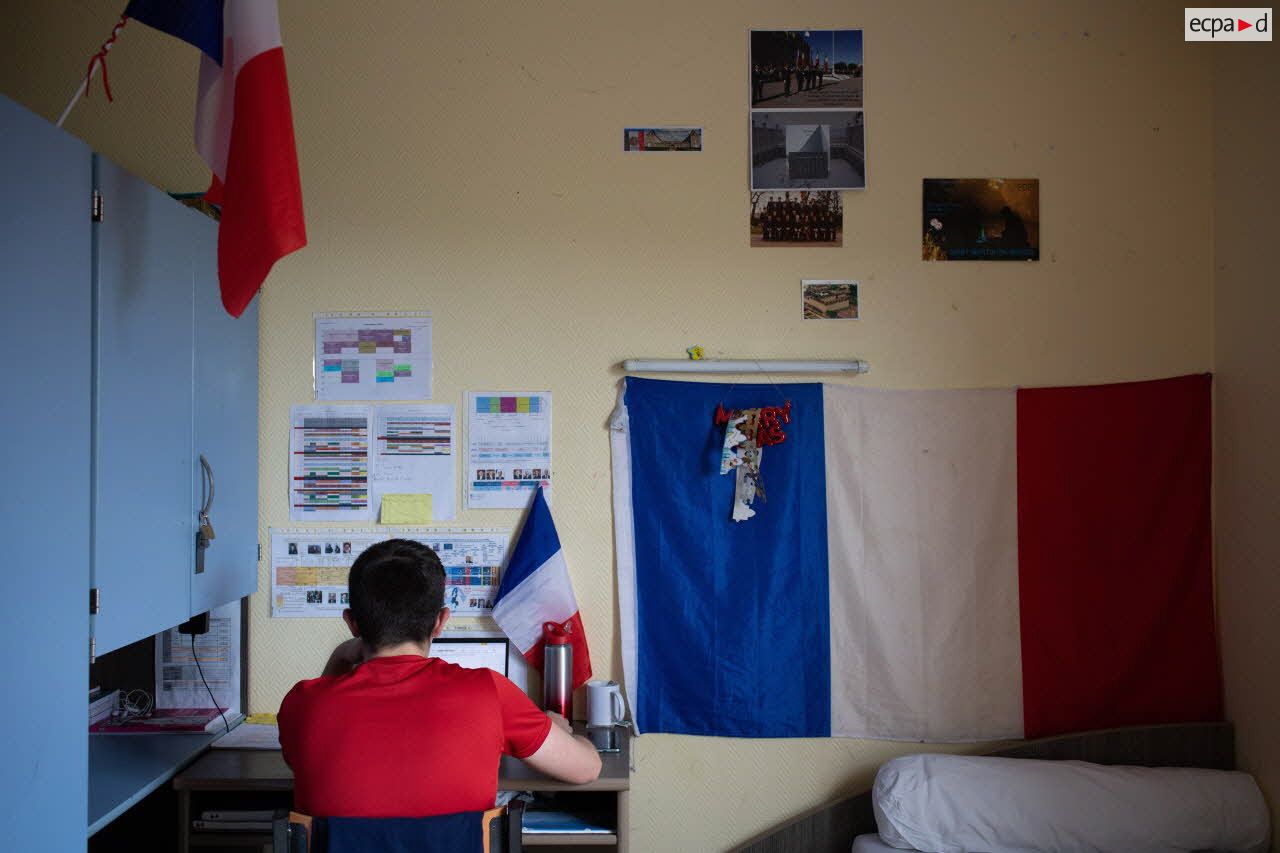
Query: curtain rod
[[741, 365]]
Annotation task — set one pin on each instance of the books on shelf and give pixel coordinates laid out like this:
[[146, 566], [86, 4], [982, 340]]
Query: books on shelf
[[233, 826], [102, 704], [237, 814], [248, 820], [539, 821]]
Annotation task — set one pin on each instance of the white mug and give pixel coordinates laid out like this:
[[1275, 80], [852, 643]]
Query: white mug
[[605, 708]]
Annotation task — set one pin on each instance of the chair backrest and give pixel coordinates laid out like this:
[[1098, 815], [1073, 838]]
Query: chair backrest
[[499, 831]]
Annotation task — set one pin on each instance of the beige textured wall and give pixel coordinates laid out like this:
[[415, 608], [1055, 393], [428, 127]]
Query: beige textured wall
[[463, 157], [1247, 417]]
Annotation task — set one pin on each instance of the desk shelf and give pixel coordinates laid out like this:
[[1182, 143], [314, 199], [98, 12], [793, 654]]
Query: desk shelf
[[257, 840]]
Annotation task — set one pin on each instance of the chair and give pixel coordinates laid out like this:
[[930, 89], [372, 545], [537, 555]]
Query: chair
[[294, 832]]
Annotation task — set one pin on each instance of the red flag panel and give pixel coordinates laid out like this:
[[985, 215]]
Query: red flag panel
[[261, 198], [1114, 549]]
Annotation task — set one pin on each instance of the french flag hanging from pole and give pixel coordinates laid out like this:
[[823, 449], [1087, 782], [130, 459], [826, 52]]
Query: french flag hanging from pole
[[535, 589], [244, 131]]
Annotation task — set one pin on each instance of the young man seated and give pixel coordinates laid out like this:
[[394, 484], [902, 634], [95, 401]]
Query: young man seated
[[389, 731]]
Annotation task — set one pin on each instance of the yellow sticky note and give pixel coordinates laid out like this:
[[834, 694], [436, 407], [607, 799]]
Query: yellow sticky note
[[406, 509], [261, 719]]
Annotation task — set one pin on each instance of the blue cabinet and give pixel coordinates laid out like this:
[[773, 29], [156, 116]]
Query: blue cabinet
[[144, 529], [45, 337], [122, 370], [176, 381]]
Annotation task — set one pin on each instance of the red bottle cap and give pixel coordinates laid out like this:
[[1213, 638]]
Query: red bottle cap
[[555, 633]]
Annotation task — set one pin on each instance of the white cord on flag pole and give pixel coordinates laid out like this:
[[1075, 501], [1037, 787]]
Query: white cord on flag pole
[[80, 90]]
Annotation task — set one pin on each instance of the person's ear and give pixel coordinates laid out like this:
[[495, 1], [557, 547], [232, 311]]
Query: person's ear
[[441, 618], [351, 622]]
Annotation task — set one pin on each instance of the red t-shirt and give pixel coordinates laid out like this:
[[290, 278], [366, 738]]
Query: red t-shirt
[[404, 736]]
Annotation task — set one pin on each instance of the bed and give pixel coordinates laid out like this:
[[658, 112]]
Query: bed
[[833, 828]]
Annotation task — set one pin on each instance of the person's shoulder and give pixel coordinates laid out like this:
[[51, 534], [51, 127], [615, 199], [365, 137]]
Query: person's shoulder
[[308, 689], [481, 678], [443, 669]]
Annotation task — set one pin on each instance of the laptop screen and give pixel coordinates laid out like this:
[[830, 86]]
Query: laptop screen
[[472, 653]]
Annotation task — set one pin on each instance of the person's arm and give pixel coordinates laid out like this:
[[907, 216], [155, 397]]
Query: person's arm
[[564, 755], [346, 657]]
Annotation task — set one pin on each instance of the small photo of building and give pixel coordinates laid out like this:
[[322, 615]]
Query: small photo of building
[[830, 300], [662, 139]]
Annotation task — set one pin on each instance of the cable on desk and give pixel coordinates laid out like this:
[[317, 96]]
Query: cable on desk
[[200, 670]]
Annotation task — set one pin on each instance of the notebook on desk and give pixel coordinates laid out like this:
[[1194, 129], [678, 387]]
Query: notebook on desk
[[250, 736]]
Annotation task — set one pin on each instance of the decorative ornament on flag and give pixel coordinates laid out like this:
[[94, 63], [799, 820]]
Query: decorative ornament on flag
[[747, 432]]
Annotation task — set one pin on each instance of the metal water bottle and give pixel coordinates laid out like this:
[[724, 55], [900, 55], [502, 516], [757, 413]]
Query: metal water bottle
[[557, 668]]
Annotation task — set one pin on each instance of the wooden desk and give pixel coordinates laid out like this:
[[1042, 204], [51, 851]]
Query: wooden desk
[[246, 779]]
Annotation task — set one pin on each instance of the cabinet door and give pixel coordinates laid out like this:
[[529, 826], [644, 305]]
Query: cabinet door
[[144, 530], [45, 333], [226, 434]]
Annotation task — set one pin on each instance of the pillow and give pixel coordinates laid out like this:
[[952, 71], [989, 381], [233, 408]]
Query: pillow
[[956, 803]]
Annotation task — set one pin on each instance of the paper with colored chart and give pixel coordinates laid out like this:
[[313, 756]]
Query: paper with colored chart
[[414, 459], [309, 566], [508, 447], [343, 461], [329, 463], [373, 356]]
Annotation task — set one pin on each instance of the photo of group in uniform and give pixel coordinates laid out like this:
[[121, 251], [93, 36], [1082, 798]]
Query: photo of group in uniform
[[800, 218]]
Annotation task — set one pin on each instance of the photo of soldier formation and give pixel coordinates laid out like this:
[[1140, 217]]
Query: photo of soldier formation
[[797, 219], [806, 69]]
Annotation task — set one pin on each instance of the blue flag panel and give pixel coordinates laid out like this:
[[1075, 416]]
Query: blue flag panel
[[197, 22], [733, 618]]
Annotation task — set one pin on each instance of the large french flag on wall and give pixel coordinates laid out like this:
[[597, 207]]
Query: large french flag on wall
[[953, 565], [244, 132], [536, 589]]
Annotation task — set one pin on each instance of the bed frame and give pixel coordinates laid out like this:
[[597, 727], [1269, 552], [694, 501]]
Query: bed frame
[[832, 828]]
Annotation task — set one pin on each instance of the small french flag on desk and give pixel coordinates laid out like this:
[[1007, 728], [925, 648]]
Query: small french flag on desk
[[535, 589]]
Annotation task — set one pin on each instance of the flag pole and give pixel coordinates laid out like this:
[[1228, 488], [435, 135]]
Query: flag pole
[[81, 90]]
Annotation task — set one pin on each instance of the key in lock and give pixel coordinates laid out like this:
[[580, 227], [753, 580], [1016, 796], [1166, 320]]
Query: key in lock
[[204, 538]]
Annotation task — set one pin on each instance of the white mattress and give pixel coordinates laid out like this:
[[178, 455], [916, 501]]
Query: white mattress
[[872, 844]]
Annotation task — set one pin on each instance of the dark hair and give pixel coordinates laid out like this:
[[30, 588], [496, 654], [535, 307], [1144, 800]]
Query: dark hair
[[397, 588]]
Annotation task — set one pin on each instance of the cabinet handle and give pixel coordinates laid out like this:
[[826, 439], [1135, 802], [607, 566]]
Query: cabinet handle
[[208, 473]]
